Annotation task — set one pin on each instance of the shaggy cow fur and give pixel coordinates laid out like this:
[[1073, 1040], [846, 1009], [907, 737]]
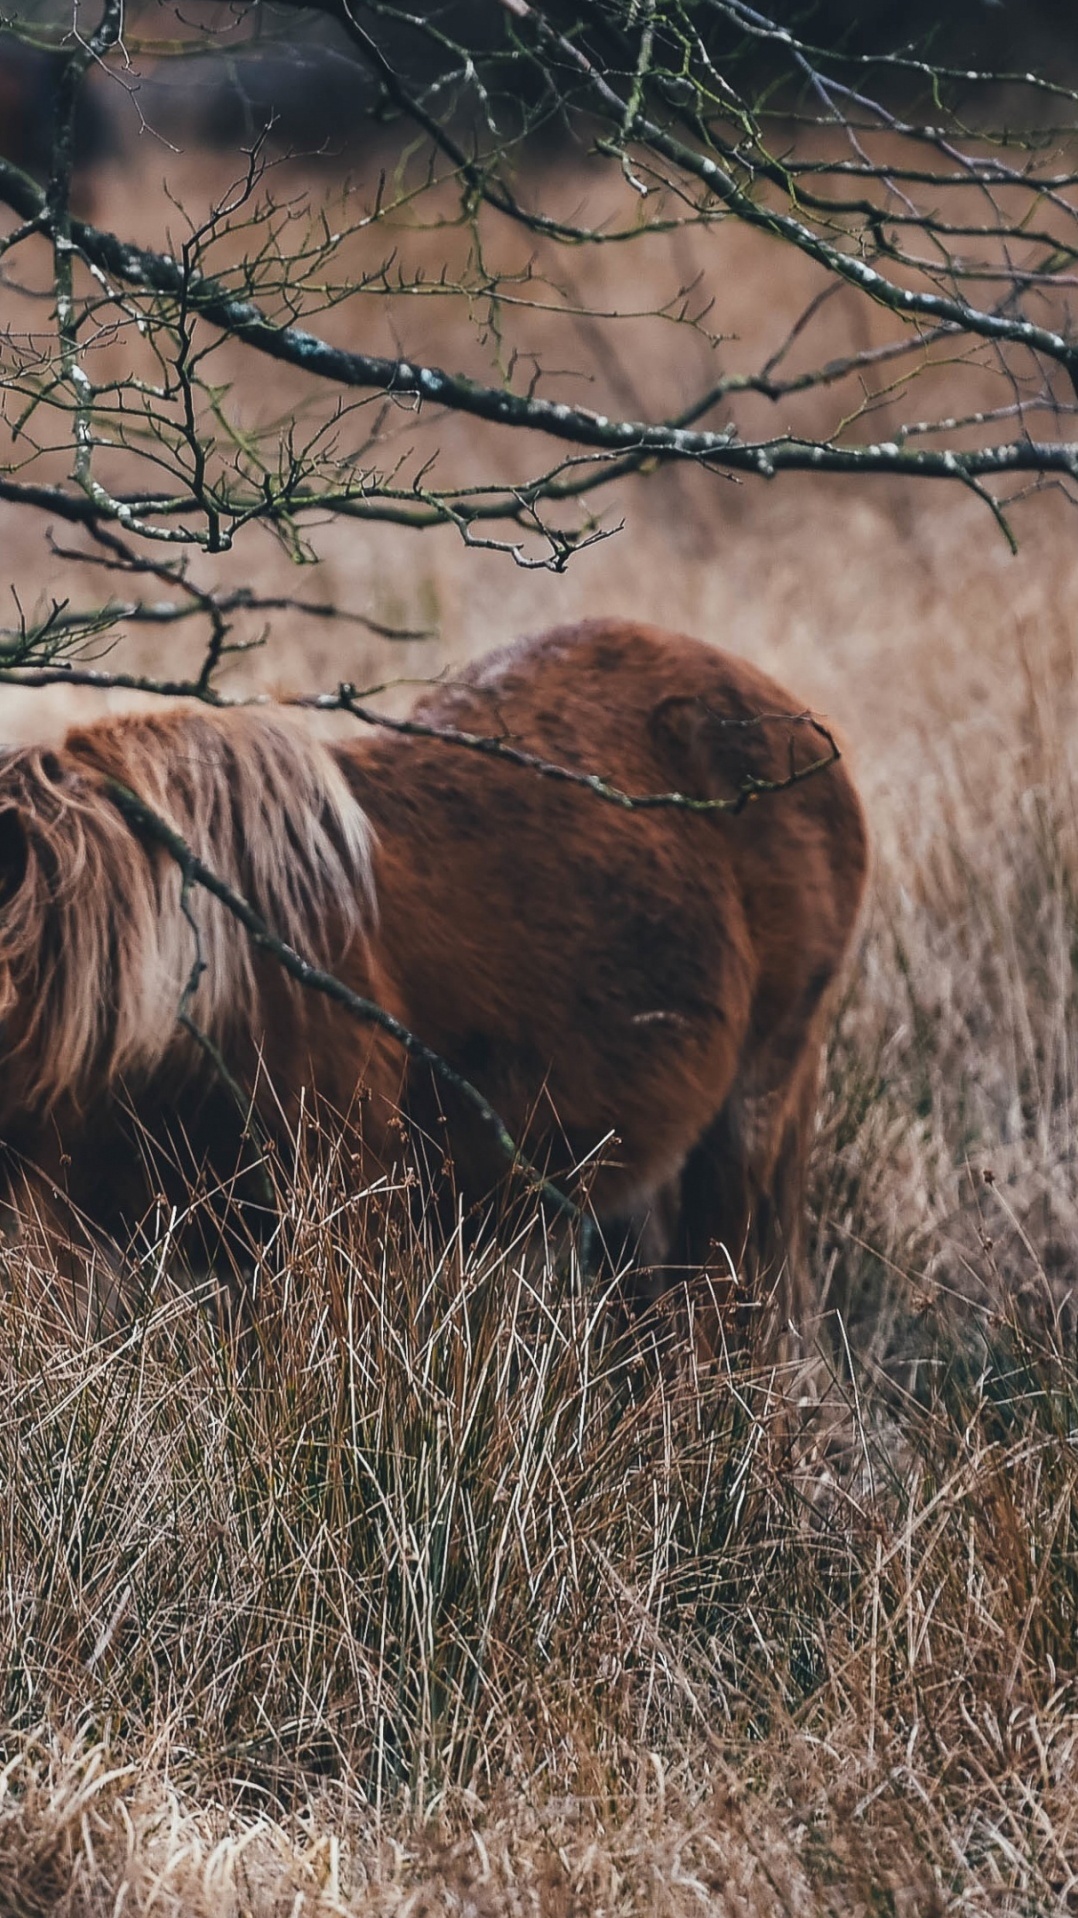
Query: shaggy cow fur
[[643, 993]]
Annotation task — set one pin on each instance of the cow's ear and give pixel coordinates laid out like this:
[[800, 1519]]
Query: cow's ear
[[14, 852]]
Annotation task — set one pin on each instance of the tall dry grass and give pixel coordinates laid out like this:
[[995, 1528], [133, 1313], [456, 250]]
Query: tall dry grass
[[446, 1601]]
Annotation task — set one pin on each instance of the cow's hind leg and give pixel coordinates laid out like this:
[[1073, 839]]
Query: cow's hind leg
[[628, 1253], [739, 1238]]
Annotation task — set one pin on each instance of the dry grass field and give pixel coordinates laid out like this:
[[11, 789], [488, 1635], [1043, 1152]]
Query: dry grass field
[[449, 1605]]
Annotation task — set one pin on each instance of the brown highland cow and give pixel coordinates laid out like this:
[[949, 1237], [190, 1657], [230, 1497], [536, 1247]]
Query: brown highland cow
[[640, 992]]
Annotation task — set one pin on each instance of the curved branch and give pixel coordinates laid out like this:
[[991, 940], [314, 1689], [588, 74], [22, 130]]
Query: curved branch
[[241, 318]]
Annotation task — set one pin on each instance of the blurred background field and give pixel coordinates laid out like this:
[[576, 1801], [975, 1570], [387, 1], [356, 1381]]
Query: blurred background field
[[461, 1610]]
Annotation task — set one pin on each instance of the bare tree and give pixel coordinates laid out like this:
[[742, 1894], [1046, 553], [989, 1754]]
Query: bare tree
[[900, 186]]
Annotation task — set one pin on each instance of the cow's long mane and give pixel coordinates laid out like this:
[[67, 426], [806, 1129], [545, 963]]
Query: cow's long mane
[[97, 936]]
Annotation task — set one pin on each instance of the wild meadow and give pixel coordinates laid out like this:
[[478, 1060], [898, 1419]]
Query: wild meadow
[[439, 1597]]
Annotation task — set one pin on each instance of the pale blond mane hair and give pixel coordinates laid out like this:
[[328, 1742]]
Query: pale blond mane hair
[[97, 943]]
